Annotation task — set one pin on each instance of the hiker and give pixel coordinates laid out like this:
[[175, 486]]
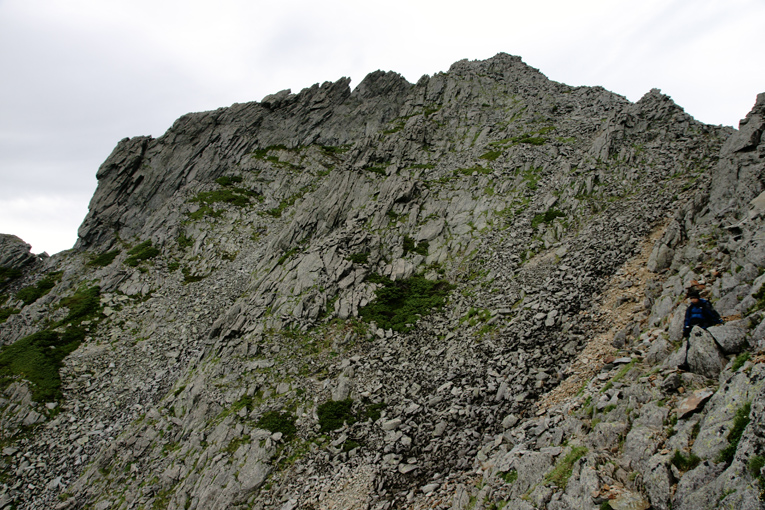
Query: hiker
[[699, 313]]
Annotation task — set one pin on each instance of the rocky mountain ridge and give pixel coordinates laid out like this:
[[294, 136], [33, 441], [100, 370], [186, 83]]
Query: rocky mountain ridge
[[462, 293]]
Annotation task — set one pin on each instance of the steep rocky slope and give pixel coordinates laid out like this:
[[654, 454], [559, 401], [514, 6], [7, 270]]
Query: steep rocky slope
[[462, 293]]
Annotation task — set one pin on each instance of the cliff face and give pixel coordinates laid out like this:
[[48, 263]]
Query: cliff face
[[459, 293]]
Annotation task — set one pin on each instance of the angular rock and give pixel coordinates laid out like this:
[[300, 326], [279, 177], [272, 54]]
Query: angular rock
[[658, 481], [14, 253], [704, 357], [731, 337], [693, 403]]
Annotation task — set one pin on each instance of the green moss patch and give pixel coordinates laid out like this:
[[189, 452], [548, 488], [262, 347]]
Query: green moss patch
[[189, 277], [333, 413], [277, 211], [509, 477], [546, 217], [230, 194], [400, 303], [8, 274], [740, 360], [7, 312], [274, 421], [491, 155], [760, 297], [411, 246], [143, 251], [32, 293], [229, 180], [38, 358], [740, 421], [684, 463], [563, 469], [85, 304], [239, 197], [104, 259], [374, 411], [263, 153], [358, 258], [184, 241], [332, 150], [379, 169]]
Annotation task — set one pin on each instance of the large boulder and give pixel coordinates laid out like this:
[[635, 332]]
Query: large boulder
[[731, 337], [658, 481], [704, 357], [14, 252]]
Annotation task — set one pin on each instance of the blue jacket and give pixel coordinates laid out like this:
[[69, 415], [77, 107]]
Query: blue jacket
[[701, 314]]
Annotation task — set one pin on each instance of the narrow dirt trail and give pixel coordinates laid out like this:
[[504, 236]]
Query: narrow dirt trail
[[621, 305]]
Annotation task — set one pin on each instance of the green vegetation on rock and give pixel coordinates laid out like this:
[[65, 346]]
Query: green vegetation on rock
[[400, 303], [358, 258], [684, 463], [143, 251], [34, 292], [546, 217], [189, 277], [274, 421], [104, 259], [8, 274], [38, 357], [755, 466], [373, 411], [333, 413], [740, 421], [509, 477], [239, 197], [277, 211], [263, 153], [184, 241], [85, 304], [229, 180], [491, 155], [740, 360], [7, 312], [563, 469], [411, 246]]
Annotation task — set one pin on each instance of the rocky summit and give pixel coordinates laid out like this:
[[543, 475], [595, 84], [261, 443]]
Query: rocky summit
[[464, 293]]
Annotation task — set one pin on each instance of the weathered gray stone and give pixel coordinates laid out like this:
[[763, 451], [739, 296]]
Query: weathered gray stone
[[639, 445], [693, 403], [692, 489], [607, 435], [730, 337], [175, 379], [14, 253], [704, 357], [722, 408], [658, 481], [661, 258]]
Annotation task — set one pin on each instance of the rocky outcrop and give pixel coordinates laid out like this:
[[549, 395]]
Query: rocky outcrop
[[14, 253], [267, 330], [142, 173]]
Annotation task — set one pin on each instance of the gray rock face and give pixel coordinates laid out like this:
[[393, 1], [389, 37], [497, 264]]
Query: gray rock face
[[658, 480], [704, 357], [735, 181], [14, 253], [142, 173], [731, 338], [206, 376]]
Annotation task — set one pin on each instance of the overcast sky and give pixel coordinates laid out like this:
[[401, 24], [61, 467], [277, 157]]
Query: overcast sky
[[76, 76]]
